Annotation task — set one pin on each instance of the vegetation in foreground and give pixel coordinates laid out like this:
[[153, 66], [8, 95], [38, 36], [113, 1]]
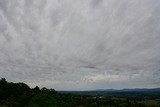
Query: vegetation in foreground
[[21, 95]]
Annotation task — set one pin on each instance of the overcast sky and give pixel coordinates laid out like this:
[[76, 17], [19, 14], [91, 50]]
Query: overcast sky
[[81, 44]]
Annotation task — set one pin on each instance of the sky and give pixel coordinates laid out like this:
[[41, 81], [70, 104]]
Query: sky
[[81, 44]]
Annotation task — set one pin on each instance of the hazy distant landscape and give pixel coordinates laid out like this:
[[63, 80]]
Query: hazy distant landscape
[[21, 95]]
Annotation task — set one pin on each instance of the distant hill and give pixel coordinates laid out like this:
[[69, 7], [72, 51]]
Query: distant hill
[[139, 93], [130, 90]]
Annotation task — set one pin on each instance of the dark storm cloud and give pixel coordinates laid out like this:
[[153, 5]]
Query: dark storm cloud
[[83, 43]]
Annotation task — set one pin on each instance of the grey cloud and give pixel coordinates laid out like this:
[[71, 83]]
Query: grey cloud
[[53, 43], [95, 3]]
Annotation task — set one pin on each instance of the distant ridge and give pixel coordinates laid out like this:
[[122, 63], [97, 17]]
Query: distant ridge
[[130, 90]]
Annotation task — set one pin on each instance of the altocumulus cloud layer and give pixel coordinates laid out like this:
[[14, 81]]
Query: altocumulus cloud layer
[[81, 44]]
